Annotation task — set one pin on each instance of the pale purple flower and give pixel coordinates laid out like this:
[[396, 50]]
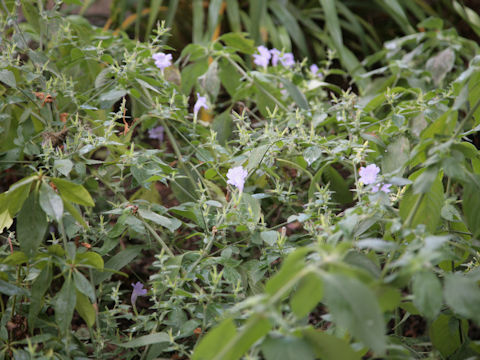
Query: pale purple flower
[[201, 102], [236, 176], [162, 60], [275, 56], [314, 69], [385, 188], [287, 60], [157, 133], [368, 175], [263, 57], [138, 290]]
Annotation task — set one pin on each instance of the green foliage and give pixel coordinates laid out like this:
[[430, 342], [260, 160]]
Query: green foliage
[[310, 258]]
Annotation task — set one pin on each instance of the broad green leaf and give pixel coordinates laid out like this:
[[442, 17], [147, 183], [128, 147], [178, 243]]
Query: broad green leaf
[[10, 289], [89, 258], [308, 295], [65, 301], [256, 156], [73, 192], [108, 98], [191, 73], [471, 207], [85, 309], [287, 348], [31, 225], [338, 185], [63, 166], [293, 264], [225, 343], [397, 155], [39, 288], [440, 65], [462, 294], [238, 42], [150, 339], [428, 210], [427, 293], [329, 347], [7, 77], [83, 285], [354, 307], [444, 333], [51, 202]]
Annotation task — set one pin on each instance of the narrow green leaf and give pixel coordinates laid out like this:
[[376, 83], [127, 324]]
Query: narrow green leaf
[[39, 288], [117, 262], [10, 289], [83, 285], [150, 339], [295, 93]]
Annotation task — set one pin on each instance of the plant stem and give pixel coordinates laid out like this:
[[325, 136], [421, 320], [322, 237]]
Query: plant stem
[[158, 238]]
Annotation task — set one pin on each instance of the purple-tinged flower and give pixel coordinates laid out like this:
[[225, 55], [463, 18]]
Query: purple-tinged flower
[[263, 57], [201, 102], [386, 188], [314, 69], [157, 133], [236, 176], [275, 56], [287, 60], [368, 175], [138, 290], [162, 60]]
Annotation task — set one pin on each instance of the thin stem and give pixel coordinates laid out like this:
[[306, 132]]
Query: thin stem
[[414, 210], [158, 238]]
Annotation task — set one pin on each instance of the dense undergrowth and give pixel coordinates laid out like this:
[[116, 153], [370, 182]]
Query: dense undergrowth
[[238, 203]]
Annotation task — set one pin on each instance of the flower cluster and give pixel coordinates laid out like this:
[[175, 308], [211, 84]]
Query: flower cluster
[[264, 55], [314, 70], [236, 176], [162, 60], [369, 176]]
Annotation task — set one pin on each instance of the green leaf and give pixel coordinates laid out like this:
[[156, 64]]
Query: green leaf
[[445, 336], [89, 258], [85, 309], [329, 347], [63, 166], [308, 295], [117, 262], [428, 210], [462, 294], [287, 348], [7, 77], [150, 339], [471, 207], [293, 264], [75, 213], [338, 185], [39, 288], [427, 293], [83, 285], [107, 99], [191, 73], [51, 202], [256, 157], [31, 225], [440, 65], [170, 224], [65, 304], [10, 289], [238, 42], [73, 192], [224, 343], [288, 20], [354, 307], [295, 93]]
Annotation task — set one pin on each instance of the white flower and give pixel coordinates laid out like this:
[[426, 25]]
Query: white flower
[[162, 60], [201, 102], [236, 176], [368, 175]]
